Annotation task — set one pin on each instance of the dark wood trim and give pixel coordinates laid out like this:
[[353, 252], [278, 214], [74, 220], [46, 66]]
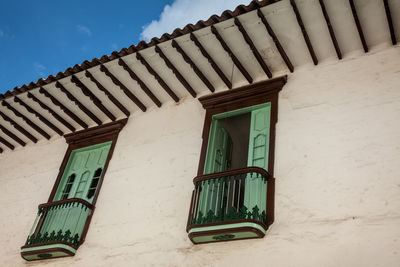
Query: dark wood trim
[[331, 32], [124, 89], [52, 112], [142, 85], [231, 54], [78, 103], [108, 94], [18, 127], [358, 25], [157, 77], [27, 121], [217, 175], [175, 71], [390, 22], [225, 231], [65, 201], [194, 67], [253, 48], [63, 108], [95, 100], [39, 116], [276, 41], [304, 31], [6, 143], [211, 61], [12, 136]]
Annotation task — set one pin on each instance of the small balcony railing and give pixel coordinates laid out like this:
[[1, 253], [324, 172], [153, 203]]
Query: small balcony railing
[[235, 198], [58, 229]]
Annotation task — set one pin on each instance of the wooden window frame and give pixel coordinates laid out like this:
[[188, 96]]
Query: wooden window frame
[[243, 97]]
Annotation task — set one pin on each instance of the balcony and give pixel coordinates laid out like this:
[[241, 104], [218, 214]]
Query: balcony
[[230, 205], [59, 229]]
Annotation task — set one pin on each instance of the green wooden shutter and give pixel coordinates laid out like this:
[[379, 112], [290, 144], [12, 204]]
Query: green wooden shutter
[[219, 150], [82, 173], [258, 156]]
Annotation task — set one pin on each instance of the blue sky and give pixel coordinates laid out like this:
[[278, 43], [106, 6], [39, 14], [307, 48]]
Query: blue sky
[[43, 37]]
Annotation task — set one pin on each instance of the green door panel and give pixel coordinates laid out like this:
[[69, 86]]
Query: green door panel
[[81, 174], [258, 156]]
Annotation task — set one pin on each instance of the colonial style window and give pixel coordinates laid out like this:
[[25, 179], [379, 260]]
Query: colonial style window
[[233, 196], [62, 223]]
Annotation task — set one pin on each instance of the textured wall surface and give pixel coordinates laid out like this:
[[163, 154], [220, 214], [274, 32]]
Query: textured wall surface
[[337, 180]]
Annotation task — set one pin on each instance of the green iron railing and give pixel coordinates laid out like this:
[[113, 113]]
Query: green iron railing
[[228, 196], [60, 221]]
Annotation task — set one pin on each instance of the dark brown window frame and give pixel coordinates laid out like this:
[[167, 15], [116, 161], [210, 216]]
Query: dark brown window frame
[[246, 96]]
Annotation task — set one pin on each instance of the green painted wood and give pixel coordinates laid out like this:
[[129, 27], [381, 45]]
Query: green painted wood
[[255, 189], [80, 172]]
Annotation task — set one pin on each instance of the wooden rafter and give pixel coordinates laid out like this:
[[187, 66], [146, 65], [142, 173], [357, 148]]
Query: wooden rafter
[[176, 72], [126, 91], [276, 40], [142, 85], [358, 25], [157, 77], [232, 56], [86, 91], [12, 136], [78, 103], [253, 48], [108, 94], [18, 127], [193, 66], [390, 22], [39, 116], [6, 143], [28, 121], [303, 30], [63, 108], [331, 32], [211, 61], [52, 112]]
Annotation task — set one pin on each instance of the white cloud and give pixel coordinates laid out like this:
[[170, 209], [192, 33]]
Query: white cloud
[[84, 30], [182, 12], [39, 68]]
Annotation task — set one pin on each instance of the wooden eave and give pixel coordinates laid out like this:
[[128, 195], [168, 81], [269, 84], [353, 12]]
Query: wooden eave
[[251, 44]]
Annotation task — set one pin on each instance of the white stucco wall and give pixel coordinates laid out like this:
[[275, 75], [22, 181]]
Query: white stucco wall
[[337, 180]]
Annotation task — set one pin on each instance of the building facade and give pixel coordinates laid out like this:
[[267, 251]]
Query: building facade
[[114, 145]]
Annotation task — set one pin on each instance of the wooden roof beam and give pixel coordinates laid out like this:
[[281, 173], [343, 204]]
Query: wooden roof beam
[[178, 75], [157, 77], [28, 121], [232, 56], [79, 104], [211, 61], [18, 127], [63, 108], [12, 136], [331, 32], [92, 97], [126, 91], [39, 116], [108, 94], [253, 48], [142, 85], [52, 112], [194, 67], [358, 25], [276, 40], [390, 22], [305, 34], [6, 143]]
